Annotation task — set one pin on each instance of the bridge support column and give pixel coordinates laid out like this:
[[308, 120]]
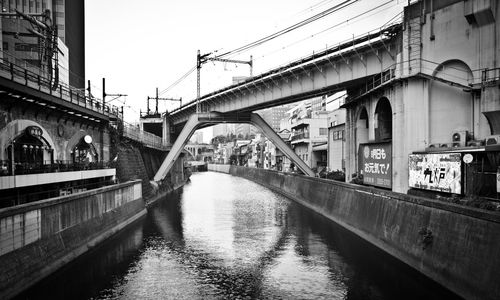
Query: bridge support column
[[196, 121], [278, 142], [191, 125], [167, 139]]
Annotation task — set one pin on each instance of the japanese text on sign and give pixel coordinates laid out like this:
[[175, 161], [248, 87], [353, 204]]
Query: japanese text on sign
[[436, 171], [376, 164]]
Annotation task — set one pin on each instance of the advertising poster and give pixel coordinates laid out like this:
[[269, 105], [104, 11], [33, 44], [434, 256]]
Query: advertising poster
[[440, 172], [376, 163]]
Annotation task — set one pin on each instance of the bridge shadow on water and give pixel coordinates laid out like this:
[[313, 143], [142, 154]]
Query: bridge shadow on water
[[361, 270]]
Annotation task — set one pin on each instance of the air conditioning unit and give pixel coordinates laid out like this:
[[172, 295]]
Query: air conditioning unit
[[493, 140], [460, 138], [433, 147], [446, 145], [475, 143]]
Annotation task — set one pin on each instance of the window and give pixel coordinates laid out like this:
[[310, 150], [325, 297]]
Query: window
[[5, 46], [338, 135], [26, 47]]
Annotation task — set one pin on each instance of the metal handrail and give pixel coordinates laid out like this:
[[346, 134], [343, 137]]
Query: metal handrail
[[34, 77], [134, 133], [25, 168]]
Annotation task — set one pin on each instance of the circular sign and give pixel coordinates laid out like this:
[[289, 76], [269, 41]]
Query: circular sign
[[366, 151], [468, 158], [87, 139]]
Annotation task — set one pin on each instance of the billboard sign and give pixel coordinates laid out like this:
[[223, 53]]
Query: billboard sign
[[376, 164], [441, 172]]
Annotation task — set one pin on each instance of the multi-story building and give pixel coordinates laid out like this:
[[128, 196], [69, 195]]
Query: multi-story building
[[274, 115], [55, 49], [309, 129], [245, 130], [336, 140], [50, 144]]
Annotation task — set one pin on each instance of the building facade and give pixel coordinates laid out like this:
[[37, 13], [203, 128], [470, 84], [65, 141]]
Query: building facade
[[434, 126], [336, 140], [309, 129], [53, 50]]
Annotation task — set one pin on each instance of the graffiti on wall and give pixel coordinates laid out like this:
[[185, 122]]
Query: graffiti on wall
[[440, 172], [376, 162]]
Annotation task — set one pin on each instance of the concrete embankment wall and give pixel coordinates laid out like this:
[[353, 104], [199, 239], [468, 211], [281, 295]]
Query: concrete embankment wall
[[138, 162], [454, 245], [38, 238]]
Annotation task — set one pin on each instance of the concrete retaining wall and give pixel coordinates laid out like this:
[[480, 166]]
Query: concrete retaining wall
[[38, 238], [455, 246]]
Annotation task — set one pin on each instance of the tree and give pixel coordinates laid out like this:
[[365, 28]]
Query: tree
[[220, 139]]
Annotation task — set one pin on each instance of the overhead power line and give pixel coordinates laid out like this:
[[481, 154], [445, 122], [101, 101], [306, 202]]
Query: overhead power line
[[318, 16], [178, 80]]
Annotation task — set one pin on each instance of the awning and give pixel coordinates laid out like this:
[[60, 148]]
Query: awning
[[321, 147]]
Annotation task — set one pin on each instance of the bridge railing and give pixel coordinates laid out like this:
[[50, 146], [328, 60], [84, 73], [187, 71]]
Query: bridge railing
[[135, 133], [22, 72], [300, 136], [380, 34]]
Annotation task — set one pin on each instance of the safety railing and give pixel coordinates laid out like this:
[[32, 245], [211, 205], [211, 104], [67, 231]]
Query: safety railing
[[21, 72], [25, 168], [373, 83], [133, 132], [300, 136], [490, 76]]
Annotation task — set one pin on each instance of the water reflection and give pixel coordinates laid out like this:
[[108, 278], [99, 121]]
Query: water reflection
[[224, 237]]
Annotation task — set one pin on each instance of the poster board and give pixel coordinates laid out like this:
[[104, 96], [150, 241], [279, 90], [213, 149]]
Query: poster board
[[441, 172], [376, 164]]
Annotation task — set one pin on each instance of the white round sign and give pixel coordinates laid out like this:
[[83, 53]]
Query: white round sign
[[467, 158], [87, 139]]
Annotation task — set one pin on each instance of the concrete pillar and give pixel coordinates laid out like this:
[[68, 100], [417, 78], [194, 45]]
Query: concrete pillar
[[166, 139], [410, 127]]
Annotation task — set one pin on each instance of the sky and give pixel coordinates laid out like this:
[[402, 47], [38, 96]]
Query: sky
[[139, 46]]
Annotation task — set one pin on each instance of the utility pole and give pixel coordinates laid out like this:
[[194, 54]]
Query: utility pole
[[164, 99], [201, 59], [104, 94]]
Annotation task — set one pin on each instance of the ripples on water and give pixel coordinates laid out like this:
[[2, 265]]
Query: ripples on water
[[223, 237]]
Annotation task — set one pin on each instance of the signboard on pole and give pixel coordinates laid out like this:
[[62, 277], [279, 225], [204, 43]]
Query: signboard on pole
[[441, 172], [376, 164]]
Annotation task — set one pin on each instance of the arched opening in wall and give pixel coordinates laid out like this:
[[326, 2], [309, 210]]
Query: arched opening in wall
[[361, 131], [84, 152], [29, 152], [362, 126], [450, 107], [383, 120]]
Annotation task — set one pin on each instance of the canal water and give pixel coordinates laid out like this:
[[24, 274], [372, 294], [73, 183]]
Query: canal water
[[224, 237]]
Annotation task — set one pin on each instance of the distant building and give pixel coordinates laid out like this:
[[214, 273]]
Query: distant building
[[223, 129], [308, 125], [245, 130], [274, 115], [336, 140], [197, 137]]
